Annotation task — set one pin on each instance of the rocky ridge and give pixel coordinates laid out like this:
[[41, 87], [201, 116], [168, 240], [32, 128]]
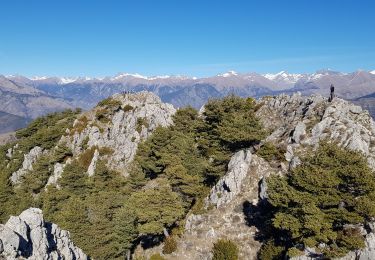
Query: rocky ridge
[[29, 236], [114, 137], [296, 124], [133, 121]]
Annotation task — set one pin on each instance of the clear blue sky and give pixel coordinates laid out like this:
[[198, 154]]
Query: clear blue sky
[[197, 38]]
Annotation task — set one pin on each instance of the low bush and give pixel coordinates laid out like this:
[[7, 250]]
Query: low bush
[[127, 108], [270, 152], [170, 245], [225, 249], [157, 257], [110, 103]]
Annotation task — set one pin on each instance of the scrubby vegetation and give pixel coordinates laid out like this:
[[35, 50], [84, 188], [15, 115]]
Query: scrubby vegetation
[[270, 152], [323, 203], [170, 245], [224, 249], [105, 108], [110, 103], [44, 132], [107, 214]]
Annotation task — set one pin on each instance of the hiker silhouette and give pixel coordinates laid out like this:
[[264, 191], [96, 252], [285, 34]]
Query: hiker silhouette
[[331, 96]]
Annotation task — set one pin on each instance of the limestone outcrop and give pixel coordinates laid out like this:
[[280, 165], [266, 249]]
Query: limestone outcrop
[[27, 164], [138, 115], [230, 185], [28, 236]]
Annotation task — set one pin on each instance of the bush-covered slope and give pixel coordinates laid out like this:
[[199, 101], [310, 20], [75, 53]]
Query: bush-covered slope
[[134, 175], [107, 209]]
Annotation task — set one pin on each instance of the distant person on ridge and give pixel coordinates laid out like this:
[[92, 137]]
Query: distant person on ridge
[[332, 93]]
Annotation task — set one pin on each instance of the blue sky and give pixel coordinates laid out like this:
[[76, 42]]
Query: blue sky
[[196, 38]]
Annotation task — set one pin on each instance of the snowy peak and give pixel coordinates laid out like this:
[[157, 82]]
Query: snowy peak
[[228, 74], [128, 75], [283, 76], [372, 72]]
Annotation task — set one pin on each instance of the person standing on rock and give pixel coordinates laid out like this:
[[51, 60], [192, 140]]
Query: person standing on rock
[[332, 93]]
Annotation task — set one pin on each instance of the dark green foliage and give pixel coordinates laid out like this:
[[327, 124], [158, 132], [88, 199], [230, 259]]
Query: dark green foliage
[[106, 108], [110, 104], [102, 115], [270, 152], [127, 108], [270, 251], [141, 122], [74, 179], [49, 121], [174, 155], [319, 200], [44, 132], [186, 120], [224, 249], [91, 208], [125, 230], [170, 245], [232, 120], [155, 209]]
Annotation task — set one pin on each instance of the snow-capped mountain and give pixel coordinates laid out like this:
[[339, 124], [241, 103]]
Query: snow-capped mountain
[[33, 96]]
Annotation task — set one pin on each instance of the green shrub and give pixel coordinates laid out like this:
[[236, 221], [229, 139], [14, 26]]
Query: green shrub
[[224, 249], [157, 257], [170, 245], [127, 108], [110, 103], [85, 158], [270, 251], [141, 121], [106, 151], [234, 122], [102, 114], [270, 152], [314, 204]]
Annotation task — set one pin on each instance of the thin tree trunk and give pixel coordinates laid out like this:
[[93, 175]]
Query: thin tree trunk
[[166, 234]]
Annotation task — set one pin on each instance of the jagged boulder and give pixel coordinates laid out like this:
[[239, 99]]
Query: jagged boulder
[[230, 185], [299, 132], [29, 236], [27, 164]]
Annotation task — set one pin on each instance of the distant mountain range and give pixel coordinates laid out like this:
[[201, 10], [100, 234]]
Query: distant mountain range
[[32, 97]]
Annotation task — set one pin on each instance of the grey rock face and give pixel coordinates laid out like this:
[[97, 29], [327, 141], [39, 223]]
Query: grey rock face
[[299, 132], [316, 119], [92, 166], [29, 159], [29, 236], [230, 185], [126, 128], [228, 220], [263, 189]]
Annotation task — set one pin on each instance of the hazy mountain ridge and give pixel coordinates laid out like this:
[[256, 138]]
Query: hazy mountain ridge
[[10, 122], [32, 97]]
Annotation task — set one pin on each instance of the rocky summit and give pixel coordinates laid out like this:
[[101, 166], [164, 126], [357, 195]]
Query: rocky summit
[[133, 153]]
